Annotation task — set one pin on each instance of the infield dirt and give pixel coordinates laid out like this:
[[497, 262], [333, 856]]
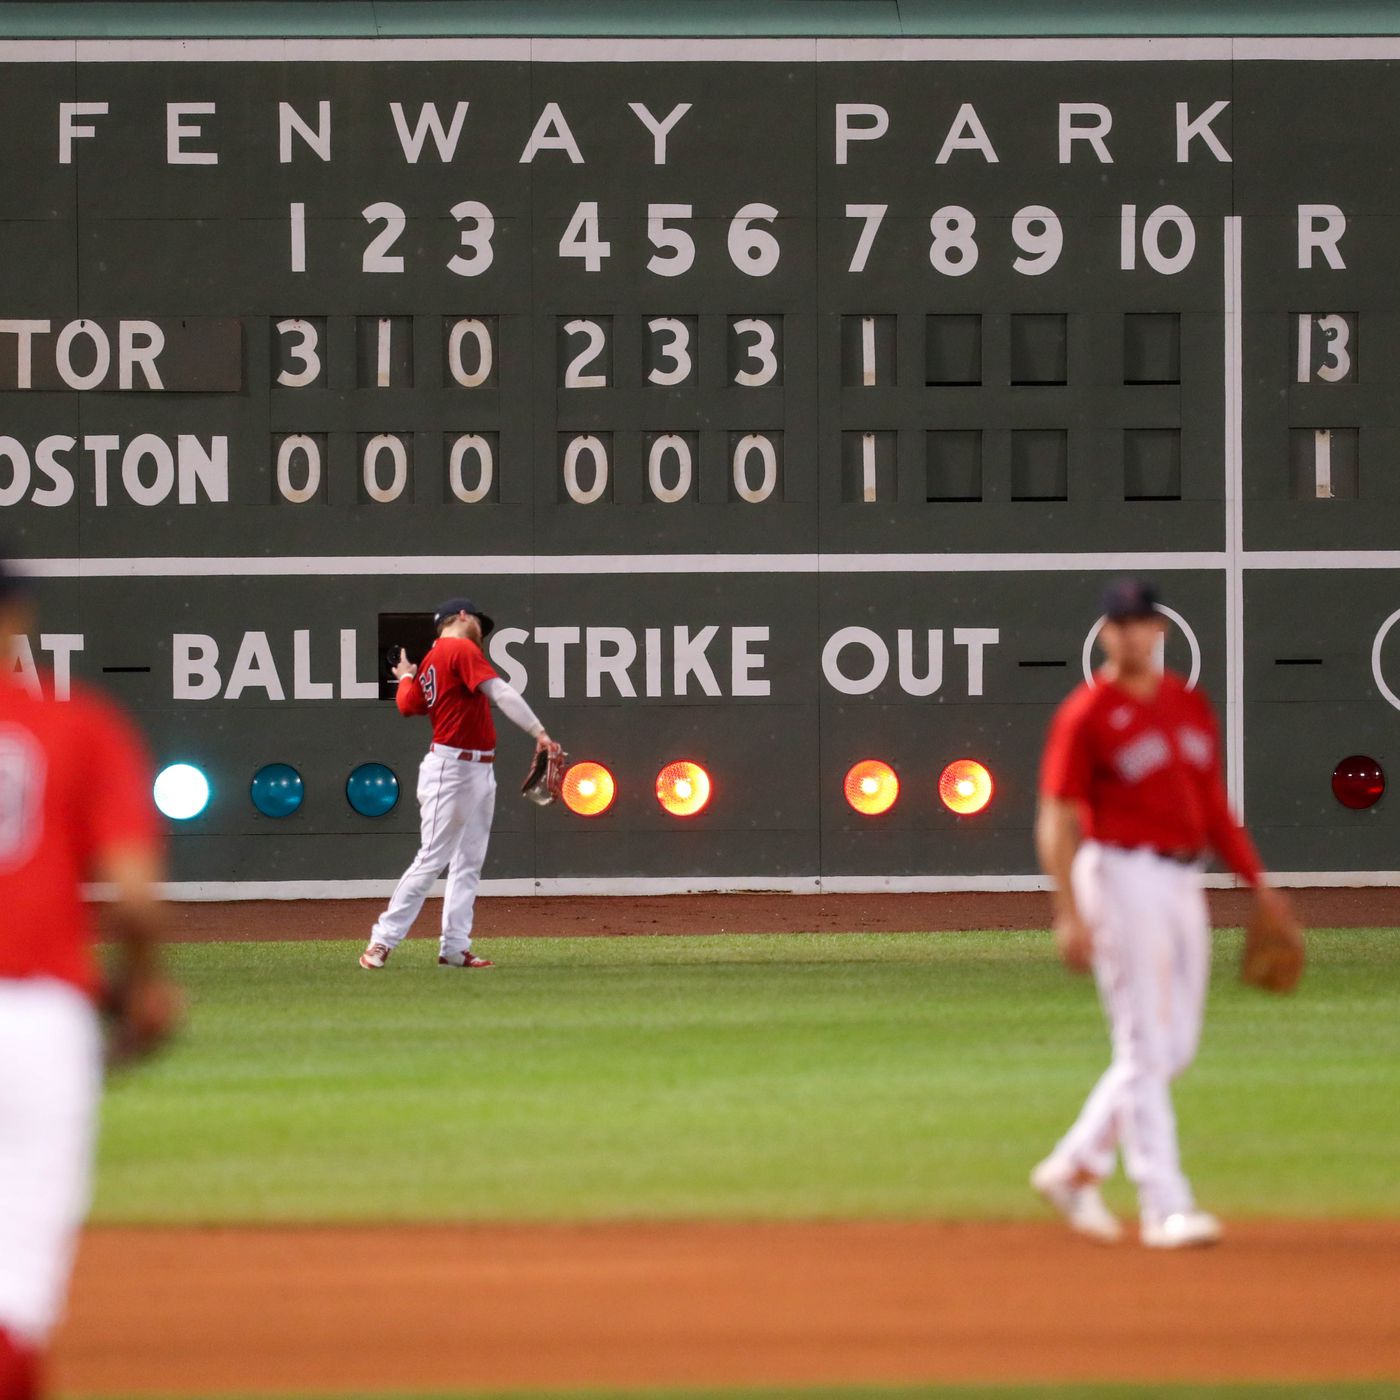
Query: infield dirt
[[319, 1311]]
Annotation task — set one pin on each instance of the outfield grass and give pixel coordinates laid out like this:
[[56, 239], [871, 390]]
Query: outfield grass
[[738, 1076]]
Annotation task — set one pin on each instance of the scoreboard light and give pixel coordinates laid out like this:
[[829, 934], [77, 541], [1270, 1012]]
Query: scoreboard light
[[1358, 782], [871, 787], [277, 790], [181, 791], [683, 788], [372, 789], [965, 787], [589, 789]]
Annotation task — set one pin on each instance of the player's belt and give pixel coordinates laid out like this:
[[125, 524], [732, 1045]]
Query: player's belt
[[465, 755], [1180, 856]]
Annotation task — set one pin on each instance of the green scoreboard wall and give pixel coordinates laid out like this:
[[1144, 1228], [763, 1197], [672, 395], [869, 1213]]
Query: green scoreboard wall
[[788, 404]]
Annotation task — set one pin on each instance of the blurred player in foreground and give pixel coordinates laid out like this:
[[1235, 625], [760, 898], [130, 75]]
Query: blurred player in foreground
[[1131, 800], [455, 686], [75, 805]]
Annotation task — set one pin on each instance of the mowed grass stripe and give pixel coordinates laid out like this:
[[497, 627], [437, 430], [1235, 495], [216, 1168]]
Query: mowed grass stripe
[[780, 1076]]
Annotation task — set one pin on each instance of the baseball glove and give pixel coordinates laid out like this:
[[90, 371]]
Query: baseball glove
[[1273, 950], [545, 779]]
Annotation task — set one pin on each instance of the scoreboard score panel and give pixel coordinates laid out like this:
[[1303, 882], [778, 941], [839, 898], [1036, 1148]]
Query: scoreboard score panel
[[785, 413]]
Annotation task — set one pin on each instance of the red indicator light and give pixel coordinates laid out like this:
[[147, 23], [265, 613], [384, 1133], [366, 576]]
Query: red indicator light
[[1358, 782], [871, 787], [588, 789], [683, 788], [965, 787]]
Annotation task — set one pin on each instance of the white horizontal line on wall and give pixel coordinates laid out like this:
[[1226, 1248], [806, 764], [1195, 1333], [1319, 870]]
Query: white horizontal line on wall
[[1322, 559], [729, 49], [539, 565], [195, 891]]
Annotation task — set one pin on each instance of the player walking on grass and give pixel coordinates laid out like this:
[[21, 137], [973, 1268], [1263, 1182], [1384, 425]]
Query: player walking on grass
[[1131, 799], [456, 780], [75, 805]]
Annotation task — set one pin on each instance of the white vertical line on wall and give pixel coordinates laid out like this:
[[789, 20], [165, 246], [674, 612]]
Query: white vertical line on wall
[[298, 225], [1322, 471], [1234, 514], [867, 454], [867, 350], [385, 347]]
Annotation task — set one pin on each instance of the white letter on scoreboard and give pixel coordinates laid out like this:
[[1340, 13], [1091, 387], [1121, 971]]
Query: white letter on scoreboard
[[1188, 128], [690, 660], [24, 332], [176, 132], [1320, 229], [744, 661], [831, 657], [551, 133], [555, 640], [444, 137], [303, 687], [60, 647], [659, 128], [69, 130], [609, 651], [1094, 134], [967, 134], [351, 687], [290, 124], [976, 640], [876, 126], [195, 666], [254, 669]]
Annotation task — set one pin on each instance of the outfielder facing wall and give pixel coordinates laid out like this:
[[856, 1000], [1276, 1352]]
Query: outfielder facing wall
[[786, 402]]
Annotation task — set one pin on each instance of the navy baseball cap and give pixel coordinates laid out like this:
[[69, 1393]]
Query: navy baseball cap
[[453, 606], [1127, 598]]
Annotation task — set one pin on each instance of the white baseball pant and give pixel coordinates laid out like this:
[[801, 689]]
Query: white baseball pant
[[1151, 933], [456, 801], [50, 1084]]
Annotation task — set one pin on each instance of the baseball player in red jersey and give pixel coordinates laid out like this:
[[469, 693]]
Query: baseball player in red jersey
[[454, 685], [1131, 800], [75, 805]]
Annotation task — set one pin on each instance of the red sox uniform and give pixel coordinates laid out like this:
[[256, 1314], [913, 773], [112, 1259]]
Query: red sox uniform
[[456, 794], [1145, 775], [74, 784]]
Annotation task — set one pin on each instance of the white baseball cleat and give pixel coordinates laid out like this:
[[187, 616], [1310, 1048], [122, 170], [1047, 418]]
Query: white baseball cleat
[[1081, 1205], [375, 956], [1187, 1229]]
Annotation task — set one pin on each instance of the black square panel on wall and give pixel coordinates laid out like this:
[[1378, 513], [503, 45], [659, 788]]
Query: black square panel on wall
[[954, 350], [1152, 464], [1152, 348], [1039, 464], [1040, 349], [954, 466]]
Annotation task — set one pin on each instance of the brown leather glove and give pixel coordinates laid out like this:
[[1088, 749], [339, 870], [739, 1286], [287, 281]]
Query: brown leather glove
[[545, 780]]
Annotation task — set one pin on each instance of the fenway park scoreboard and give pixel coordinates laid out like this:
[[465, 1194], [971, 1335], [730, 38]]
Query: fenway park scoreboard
[[787, 404]]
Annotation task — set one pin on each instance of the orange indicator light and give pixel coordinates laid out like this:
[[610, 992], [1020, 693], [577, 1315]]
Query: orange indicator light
[[871, 787], [965, 787], [683, 788], [589, 789]]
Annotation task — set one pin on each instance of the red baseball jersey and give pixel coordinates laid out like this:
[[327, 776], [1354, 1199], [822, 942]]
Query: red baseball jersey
[[446, 688], [74, 782], [1145, 772]]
